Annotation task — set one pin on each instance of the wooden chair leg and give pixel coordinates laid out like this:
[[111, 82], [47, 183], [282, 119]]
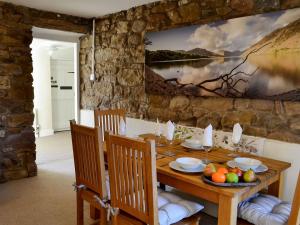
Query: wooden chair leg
[[94, 213], [103, 216], [79, 209]]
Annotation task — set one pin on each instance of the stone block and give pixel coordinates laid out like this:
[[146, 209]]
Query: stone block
[[179, 103], [242, 6], [2, 133], [163, 114], [159, 101], [213, 104], [292, 108], [118, 41], [294, 123], [10, 69], [174, 16], [262, 105], [210, 118], [190, 122], [242, 104], [122, 27], [4, 83], [255, 131], [284, 135], [138, 26], [17, 120], [222, 11], [129, 77], [190, 12], [134, 40], [242, 117]]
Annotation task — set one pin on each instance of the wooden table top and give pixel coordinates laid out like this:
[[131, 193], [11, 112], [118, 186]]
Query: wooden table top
[[218, 156]]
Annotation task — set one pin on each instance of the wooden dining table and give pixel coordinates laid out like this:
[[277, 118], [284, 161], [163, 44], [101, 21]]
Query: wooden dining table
[[227, 198]]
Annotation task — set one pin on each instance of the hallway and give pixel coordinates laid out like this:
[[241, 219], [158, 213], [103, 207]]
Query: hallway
[[47, 199]]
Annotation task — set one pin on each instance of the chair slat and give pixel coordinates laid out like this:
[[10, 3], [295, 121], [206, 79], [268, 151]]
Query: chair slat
[[109, 120], [136, 182]]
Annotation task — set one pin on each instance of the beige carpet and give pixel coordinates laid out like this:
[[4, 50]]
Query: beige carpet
[[47, 199]]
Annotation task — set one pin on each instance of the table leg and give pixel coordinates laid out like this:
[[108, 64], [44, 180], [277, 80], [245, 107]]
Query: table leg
[[275, 188], [94, 213], [227, 213], [162, 186]]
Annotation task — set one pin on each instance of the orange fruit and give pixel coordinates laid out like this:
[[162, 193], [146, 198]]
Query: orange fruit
[[218, 177], [222, 170]]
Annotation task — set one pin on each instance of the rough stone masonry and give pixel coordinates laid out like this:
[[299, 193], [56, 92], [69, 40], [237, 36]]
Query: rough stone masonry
[[120, 70], [17, 141]]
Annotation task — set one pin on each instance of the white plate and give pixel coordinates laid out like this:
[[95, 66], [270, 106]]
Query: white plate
[[174, 165], [262, 168], [186, 145]]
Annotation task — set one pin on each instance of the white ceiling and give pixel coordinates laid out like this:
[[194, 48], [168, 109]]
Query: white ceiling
[[83, 8]]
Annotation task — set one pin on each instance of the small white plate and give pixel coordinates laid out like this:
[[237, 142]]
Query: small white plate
[[174, 165], [186, 145], [262, 168]]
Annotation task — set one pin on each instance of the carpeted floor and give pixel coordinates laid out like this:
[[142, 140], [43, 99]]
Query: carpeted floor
[[47, 199]]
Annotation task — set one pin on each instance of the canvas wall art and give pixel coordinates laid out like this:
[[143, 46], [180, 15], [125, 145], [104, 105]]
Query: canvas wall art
[[249, 57]]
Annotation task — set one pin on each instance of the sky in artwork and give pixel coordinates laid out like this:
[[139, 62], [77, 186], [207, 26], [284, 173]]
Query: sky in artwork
[[230, 35]]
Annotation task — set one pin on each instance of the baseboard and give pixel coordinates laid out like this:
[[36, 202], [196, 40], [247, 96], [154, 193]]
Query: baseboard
[[46, 132]]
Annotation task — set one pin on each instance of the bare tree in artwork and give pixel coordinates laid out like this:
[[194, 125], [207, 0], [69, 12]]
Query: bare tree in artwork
[[229, 81]]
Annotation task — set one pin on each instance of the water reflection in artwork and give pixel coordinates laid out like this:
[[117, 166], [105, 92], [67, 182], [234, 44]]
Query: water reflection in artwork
[[251, 57]]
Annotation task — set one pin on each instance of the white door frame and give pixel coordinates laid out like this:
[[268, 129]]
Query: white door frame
[[71, 37]]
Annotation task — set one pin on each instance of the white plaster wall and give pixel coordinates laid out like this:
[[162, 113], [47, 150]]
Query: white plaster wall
[[63, 54], [279, 150], [42, 88]]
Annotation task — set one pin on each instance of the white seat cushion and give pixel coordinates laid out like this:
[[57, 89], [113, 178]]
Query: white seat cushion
[[265, 210], [173, 208]]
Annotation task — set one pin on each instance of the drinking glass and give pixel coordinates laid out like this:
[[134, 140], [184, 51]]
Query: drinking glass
[[236, 147], [206, 149]]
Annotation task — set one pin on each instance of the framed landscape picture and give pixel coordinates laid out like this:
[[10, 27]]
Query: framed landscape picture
[[249, 57]]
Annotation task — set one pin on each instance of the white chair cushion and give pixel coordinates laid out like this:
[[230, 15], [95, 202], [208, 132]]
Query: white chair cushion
[[107, 185], [264, 210], [172, 208]]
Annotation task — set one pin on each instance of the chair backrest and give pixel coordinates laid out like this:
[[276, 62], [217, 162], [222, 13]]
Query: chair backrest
[[132, 174], [295, 212], [89, 158], [109, 120]]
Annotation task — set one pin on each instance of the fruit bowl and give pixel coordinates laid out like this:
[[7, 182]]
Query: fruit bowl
[[239, 184], [247, 163], [188, 162]]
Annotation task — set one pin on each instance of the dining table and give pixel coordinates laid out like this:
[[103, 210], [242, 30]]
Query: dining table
[[227, 198]]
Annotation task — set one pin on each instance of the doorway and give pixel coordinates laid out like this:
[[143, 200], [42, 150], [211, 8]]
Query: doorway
[[54, 85]]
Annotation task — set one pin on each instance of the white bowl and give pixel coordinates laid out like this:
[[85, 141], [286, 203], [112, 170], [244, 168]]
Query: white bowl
[[247, 163], [193, 142], [188, 163]]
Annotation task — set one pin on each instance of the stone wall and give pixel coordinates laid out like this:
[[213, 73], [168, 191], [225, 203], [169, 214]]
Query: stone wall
[[120, 70], [17, 141]]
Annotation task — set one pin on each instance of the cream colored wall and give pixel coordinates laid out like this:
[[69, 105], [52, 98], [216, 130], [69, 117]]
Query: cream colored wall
[[284, 151]]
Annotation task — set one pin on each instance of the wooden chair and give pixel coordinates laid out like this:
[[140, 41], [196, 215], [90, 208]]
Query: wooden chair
[[109, 120], [295, 212], [294, 218], [89, 169], [133, 182]]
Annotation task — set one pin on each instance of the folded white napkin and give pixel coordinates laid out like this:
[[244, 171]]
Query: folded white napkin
[[237, 133], [122, 127], [207, 136], [170, 130], [157, 128]]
